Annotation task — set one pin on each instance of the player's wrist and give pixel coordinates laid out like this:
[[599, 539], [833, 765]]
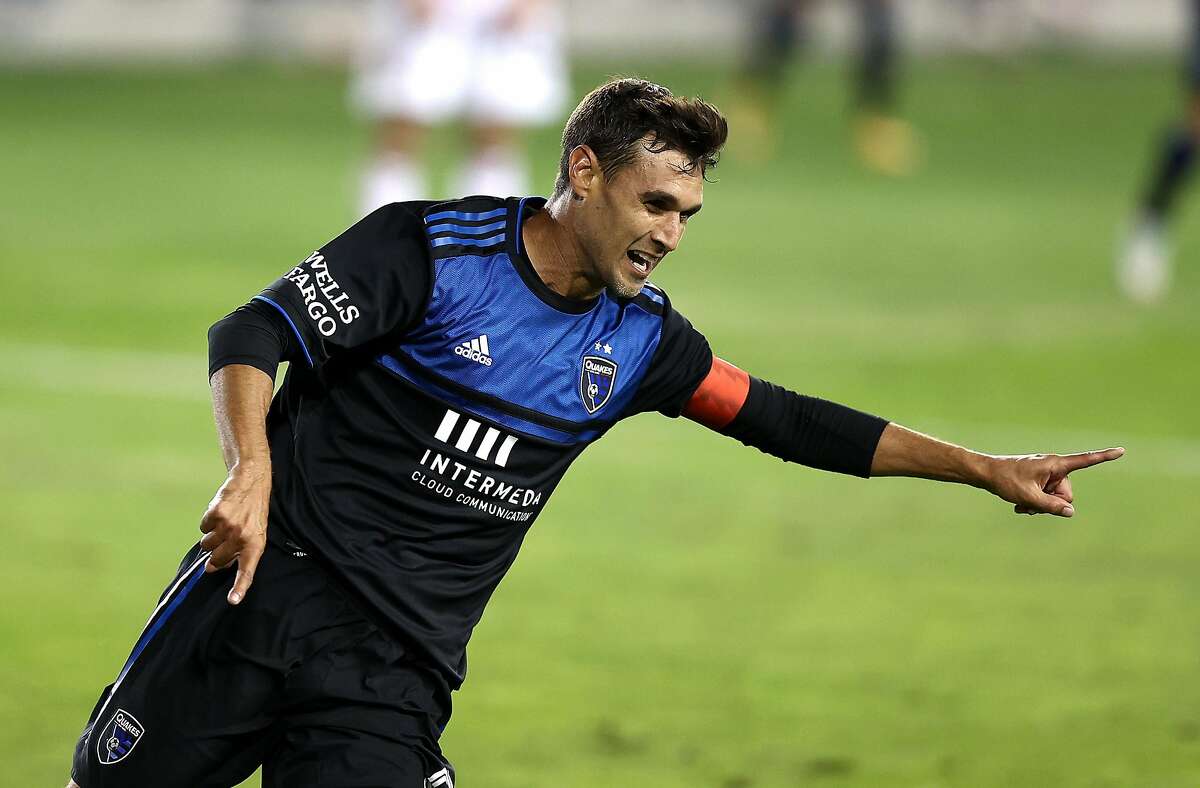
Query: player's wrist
[[251, 469], [978, 469]]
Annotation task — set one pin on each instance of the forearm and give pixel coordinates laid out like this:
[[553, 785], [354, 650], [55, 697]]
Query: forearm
[[244, 351], [241, 397], [791, 426], [235, 524], [904, 452]]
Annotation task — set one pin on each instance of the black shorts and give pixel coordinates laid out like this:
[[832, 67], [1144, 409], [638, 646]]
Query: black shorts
[[294, 678]]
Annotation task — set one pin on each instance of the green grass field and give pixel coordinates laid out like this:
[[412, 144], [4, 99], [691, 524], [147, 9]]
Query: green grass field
[[688, 612]]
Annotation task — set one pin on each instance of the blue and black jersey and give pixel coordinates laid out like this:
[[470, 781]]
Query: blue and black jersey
[[437, 393], [439, 390]]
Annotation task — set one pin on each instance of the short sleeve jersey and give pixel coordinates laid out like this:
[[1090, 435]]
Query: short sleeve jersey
[[439, 392]]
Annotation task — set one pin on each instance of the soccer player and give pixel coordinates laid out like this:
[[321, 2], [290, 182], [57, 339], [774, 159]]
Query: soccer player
[[1144, 267], [498, 64], [883, 141], [448, 362]]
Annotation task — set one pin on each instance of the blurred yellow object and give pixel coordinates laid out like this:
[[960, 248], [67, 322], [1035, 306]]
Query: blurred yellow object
[[755, 140], [886, 145]]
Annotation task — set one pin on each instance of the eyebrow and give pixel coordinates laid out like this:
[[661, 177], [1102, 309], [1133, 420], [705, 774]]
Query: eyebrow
[[669, 199]]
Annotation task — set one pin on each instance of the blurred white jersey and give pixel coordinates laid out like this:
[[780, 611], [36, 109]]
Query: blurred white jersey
[[430, 60]]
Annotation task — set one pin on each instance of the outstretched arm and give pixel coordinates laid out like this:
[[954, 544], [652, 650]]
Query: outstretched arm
[[833, 437], [1033, 483]]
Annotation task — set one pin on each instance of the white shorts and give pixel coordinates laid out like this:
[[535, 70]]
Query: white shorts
[[457, 62]]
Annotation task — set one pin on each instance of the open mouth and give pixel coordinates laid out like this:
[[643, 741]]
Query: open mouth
[[641, 263]]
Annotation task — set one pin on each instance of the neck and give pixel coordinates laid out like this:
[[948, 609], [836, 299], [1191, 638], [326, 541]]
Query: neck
[[557, 256]]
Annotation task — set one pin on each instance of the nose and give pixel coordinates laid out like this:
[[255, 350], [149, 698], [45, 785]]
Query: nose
[[668, 232]]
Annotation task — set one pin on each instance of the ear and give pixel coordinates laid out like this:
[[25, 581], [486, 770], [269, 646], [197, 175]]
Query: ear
[[583, 169]]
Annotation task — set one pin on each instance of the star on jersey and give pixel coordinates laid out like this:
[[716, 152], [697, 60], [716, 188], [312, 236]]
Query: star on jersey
[[607, 348]]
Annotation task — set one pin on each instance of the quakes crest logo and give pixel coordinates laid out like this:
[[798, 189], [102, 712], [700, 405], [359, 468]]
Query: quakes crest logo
[[597, 380], [119, 736]]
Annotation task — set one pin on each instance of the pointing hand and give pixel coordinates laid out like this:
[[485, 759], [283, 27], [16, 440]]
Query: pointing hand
[[1038, 483]]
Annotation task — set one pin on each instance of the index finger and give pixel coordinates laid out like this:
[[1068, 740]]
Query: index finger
[[247, 562], [1086, 459]]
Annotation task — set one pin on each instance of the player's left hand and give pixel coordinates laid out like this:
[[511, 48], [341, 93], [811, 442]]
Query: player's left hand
[[1038, 483]]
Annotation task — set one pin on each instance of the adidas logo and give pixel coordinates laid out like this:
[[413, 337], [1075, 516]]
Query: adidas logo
[[476, 350], [439, 780]]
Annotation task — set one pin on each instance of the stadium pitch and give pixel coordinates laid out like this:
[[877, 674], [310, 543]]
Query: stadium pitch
[[695, 614]]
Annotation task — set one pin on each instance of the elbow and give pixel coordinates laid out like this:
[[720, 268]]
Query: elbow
[[242, 337], [214, 331]]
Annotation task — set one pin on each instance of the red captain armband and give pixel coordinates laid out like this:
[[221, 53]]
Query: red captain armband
[[720, 396]]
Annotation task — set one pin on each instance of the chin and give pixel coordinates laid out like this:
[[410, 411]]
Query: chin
[[624, 289]]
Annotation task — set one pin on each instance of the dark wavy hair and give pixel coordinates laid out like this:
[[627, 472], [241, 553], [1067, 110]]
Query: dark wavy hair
[[617, 117]]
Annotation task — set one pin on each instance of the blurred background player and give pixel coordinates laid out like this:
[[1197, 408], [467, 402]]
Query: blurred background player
[[883, 142], [498, 64], [1144, 268]]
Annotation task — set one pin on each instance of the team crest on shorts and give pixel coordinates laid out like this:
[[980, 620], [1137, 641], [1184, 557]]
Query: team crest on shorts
[[118, 737], [597, 381]]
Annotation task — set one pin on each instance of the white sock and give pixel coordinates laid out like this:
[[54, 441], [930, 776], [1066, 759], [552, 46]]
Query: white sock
[[391, 177], [499, 172]]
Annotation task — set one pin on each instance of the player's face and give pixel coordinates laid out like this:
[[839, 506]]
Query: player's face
[[639, 216]]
